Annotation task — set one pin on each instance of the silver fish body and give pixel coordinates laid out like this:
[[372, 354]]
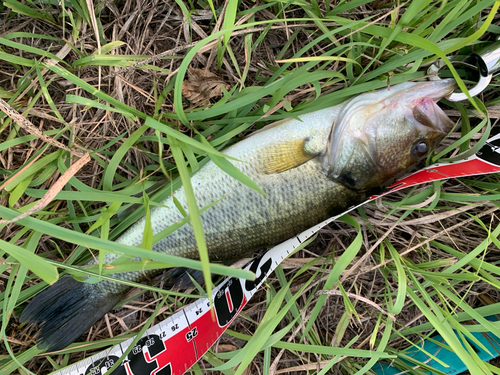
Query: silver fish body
[[309, 170], [244, 220]]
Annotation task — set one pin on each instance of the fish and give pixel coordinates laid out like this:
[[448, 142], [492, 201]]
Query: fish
[[309, 168]]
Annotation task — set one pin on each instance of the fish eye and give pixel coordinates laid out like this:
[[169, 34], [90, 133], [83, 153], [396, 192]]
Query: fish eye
[[420, 148]]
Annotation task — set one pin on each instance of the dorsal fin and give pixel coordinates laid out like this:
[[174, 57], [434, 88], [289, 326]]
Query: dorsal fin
[[270, 126]]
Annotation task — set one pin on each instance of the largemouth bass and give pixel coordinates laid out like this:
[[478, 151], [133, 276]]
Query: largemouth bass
[[309, 170]]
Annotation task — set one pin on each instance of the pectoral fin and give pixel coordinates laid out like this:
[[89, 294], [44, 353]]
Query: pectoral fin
[[287, 155]]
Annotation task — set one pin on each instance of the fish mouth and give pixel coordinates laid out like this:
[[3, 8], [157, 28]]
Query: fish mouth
[[425, 109], [437, 90], [429, 114]]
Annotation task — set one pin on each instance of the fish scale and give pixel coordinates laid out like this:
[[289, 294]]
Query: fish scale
[[245, 220]]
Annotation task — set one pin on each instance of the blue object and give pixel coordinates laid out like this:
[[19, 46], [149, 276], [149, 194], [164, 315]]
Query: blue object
[[456, 366]]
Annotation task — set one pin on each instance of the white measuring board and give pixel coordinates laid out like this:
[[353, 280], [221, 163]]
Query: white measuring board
[[172, 346]]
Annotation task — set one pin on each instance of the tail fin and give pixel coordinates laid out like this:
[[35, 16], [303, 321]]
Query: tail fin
[[66, 310]]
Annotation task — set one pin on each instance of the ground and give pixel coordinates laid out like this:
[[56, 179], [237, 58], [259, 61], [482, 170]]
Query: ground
[[87, 75]]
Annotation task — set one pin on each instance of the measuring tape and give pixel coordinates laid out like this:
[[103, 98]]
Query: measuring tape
[[172, 346]]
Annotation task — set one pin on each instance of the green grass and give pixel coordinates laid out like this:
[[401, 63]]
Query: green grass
[[104, 96]]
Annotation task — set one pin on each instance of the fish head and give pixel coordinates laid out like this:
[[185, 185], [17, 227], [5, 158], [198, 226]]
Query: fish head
[[379, 135]]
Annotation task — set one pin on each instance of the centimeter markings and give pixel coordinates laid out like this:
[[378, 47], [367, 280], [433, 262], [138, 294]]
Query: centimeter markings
[[172, 346]]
